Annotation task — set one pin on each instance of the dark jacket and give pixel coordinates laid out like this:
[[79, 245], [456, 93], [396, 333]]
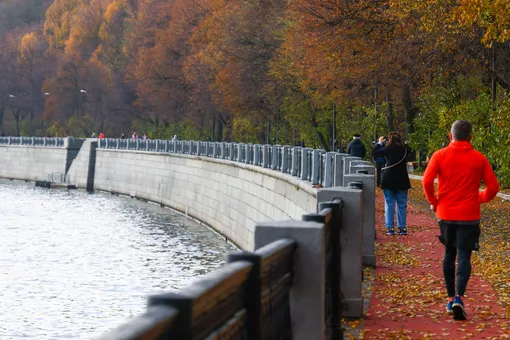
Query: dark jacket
[[357, 148], [379, 160], [396, 177]]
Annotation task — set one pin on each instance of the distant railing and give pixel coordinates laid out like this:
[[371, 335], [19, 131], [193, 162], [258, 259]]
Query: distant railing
[[249, 297], [314, 165], [35, 141]]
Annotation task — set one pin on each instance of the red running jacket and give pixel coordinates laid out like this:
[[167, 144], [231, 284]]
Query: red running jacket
[[459, 169]]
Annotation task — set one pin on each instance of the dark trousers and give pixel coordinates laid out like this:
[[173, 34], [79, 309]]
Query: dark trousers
[[463, 270], [378, 168], [460, 241]]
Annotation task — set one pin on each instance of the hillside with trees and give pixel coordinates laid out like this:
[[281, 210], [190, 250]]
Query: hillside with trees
[[259, 71]]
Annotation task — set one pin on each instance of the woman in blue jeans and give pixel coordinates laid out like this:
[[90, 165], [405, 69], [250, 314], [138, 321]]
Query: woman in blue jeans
[[394, 182]]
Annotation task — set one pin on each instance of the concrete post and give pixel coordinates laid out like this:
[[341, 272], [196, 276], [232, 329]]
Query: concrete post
[[347, 165], [248, 158], [275, 162], [231, 152], [351, 242], [256, 154], [215, 150], [308, 290], [338, 177], [329, 169], [296, 153], [368, 215], [355, 168], [305, 163], [285, 159], [240, 149], [316, 168], [265, 156]]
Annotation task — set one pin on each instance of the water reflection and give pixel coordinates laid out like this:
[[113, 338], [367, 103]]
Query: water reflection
[[73, 265]]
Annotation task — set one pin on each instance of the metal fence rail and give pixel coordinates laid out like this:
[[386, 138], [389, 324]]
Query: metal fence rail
[[34, 141], [315, 166]]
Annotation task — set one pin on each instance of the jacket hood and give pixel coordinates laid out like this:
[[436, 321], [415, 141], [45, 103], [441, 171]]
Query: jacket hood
[[463, 146]]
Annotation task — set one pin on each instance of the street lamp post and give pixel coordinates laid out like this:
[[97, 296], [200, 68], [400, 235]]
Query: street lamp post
[[334, 127]]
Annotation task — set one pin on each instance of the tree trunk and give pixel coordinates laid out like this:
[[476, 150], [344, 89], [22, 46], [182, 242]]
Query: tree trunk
[[17, 119], [389, 119], [2, 112], [409, 108], [320, 136]]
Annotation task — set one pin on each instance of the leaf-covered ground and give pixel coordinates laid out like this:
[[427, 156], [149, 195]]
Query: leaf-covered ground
[[408, 300]]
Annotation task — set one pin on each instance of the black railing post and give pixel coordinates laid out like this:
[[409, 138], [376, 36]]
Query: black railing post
[[183, 321], [253, 298], [336, 293]]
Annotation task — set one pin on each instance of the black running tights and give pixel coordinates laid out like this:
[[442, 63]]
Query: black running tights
[[463, 270]]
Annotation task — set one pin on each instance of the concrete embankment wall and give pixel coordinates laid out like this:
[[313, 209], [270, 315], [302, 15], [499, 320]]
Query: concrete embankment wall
[[35, 163], [230, 197]]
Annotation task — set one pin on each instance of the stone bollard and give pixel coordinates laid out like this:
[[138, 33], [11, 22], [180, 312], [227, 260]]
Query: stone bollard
[[351, 241], [338, 169], [308, 292], [296, 153], [368, 185], [347, 165], [316, 166], [356, 168], [329, 169], [306, 163]]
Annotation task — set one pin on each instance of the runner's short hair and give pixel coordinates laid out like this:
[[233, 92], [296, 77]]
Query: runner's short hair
[[461, 130]]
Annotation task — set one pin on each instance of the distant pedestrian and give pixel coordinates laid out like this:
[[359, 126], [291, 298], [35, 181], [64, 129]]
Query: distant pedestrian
[[3, 134], [174, 138], [394, 182], [122, 136], [356, 147], [145, 136], [93, 135], [134, 136], [379, 161], [459, 169], [101, 135]]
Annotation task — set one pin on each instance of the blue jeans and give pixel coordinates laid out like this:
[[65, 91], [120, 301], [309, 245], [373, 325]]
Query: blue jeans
[[390, 198]]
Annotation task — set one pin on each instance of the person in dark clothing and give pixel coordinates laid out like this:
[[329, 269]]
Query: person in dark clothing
[[394, 181], [379, 161], [356, 147]]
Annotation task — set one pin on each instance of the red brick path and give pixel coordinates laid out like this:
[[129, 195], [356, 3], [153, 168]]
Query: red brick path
[[409, 297]]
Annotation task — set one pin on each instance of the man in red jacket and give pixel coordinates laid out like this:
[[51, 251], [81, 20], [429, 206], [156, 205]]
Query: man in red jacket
[[459, 169]]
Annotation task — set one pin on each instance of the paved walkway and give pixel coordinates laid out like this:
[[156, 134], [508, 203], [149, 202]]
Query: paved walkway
[[409, 297]]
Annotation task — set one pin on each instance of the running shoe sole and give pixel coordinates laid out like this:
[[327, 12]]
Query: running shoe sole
[[458, 312]]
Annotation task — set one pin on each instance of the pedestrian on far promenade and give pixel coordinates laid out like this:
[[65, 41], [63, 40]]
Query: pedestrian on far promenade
[[394, 182], [356, 147], [459, 169]]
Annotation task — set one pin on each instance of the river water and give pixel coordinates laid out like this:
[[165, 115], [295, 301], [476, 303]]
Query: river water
[[74, 265]]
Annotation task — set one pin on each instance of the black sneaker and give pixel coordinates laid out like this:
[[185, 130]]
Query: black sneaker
[[390, 232], [458, 309], [402, 231]]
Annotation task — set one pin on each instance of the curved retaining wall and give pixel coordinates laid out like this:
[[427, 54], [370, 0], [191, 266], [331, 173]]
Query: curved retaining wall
[[34, 158], [230, 197]]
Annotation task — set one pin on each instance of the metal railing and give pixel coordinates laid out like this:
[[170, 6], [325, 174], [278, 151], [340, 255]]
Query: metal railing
[[314, 165], [248, 298], [35, 141]]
